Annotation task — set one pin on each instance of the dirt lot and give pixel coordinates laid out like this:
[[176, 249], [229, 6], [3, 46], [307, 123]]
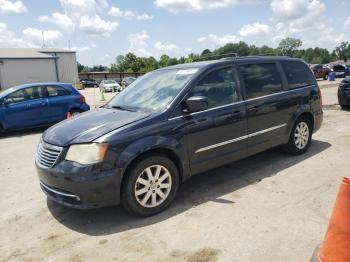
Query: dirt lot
[[270, 207]]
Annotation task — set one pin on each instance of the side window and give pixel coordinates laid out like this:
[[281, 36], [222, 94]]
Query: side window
[[261, 79], [220, 87], [29, 93], [298, 74], [16, 97], [53, 91]]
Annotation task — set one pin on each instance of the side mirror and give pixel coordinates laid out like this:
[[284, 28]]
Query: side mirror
[[3, 102], [196, 104]]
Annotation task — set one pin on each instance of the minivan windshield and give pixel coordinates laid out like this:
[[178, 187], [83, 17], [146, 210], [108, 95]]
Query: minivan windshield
[[154, 91]]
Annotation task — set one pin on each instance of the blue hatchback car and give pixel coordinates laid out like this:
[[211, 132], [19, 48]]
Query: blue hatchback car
[[39, 104]]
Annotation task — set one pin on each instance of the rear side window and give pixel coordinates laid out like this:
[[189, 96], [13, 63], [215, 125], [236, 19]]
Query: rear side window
[[53, 91], [220, 87], [261, 79], [298, 74]]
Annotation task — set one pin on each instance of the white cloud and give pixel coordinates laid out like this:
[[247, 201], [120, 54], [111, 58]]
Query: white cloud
[[214, 41], [347, 23], [9, 39], [139, 43], [176, 6], [96, 26], [38, 37], [141, 46], [169, 49], [61, 20], [256, 29], [12, 7], [298, 15], [115, 11], [82, 15]]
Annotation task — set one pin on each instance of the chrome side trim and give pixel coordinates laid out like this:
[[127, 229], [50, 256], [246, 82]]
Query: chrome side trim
[[239, 138], [58, 192]]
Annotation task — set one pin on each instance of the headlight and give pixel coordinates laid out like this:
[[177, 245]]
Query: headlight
[[87, 154]]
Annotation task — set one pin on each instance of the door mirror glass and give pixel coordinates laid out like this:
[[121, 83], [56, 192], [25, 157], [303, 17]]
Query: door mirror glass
[[196, 104]]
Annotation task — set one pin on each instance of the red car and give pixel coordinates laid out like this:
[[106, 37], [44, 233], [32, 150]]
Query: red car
[[320, 71]]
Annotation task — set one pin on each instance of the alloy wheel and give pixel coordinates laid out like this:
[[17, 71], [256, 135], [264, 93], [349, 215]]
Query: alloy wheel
[[301, 135], [153, 186]]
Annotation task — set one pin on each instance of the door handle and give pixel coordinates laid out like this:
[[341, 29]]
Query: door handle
[[237, 113], [253, 109]]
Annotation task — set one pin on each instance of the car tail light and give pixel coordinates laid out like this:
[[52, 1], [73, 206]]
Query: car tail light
[[82, 99]]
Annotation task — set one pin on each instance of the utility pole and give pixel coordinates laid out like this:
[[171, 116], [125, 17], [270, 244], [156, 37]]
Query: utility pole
[[42, 34]]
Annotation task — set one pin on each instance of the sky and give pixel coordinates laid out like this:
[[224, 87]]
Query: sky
[[100, 30]]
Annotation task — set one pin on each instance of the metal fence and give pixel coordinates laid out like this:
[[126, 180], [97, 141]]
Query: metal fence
[[99, 76]]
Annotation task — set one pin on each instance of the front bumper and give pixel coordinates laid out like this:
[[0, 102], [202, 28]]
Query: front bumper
[[82, 187]]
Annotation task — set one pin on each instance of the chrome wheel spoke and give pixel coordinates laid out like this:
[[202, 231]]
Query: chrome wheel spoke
[[165, 185], [143, 181], [160, 193], [141, 191], [149, 173], [163, 177], [146, 197], [159, 168]]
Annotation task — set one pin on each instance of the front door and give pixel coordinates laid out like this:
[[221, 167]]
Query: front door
[[217, 136], [25, 107]]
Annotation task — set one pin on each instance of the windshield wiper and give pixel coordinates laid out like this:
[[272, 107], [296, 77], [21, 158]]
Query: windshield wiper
[[124, 108]]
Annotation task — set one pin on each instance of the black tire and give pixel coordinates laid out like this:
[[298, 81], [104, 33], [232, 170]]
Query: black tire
[[128, 195], [345, 108], [291, 147], [75, 112]]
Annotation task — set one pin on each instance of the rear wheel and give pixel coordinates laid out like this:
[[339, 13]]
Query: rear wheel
[[75, 112], [150, 185], [300, 137]]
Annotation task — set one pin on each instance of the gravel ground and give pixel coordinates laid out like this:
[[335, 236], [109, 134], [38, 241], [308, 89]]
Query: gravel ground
[[269, 207]]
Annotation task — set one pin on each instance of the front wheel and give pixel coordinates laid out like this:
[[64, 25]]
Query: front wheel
[[150, 185], [300, 137]]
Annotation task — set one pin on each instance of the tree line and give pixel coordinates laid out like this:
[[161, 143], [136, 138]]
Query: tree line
[[288, 47]]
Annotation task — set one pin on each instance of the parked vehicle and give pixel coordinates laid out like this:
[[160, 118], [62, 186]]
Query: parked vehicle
[[344, 93], [127, 81], [320, 71], [89, 83], [347, 70], [110, 86], [177, 122], [40, 104], [339, 70]]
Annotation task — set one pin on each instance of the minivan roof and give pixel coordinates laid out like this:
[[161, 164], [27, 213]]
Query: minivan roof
[[229, 60]]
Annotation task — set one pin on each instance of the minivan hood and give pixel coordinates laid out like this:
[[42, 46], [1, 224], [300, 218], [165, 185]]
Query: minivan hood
[[89, 126]]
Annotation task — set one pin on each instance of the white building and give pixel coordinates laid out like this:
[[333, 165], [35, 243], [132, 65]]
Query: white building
[[30, 65]]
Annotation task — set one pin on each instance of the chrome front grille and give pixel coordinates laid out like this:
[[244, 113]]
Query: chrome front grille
[[47, 155]]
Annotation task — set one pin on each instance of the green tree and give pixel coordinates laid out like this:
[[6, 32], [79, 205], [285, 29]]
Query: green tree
[[164, 61], [342, 51], [289, 46]]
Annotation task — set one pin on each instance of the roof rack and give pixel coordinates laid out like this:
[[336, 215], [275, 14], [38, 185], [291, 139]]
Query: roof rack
[[214, 57], [232, 56]]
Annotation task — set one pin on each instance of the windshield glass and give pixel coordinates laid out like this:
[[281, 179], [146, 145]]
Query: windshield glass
[[154, 91], [110, 82]]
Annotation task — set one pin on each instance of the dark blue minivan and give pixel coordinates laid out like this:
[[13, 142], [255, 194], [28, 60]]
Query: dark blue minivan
[[177, 122], [39, 104]]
